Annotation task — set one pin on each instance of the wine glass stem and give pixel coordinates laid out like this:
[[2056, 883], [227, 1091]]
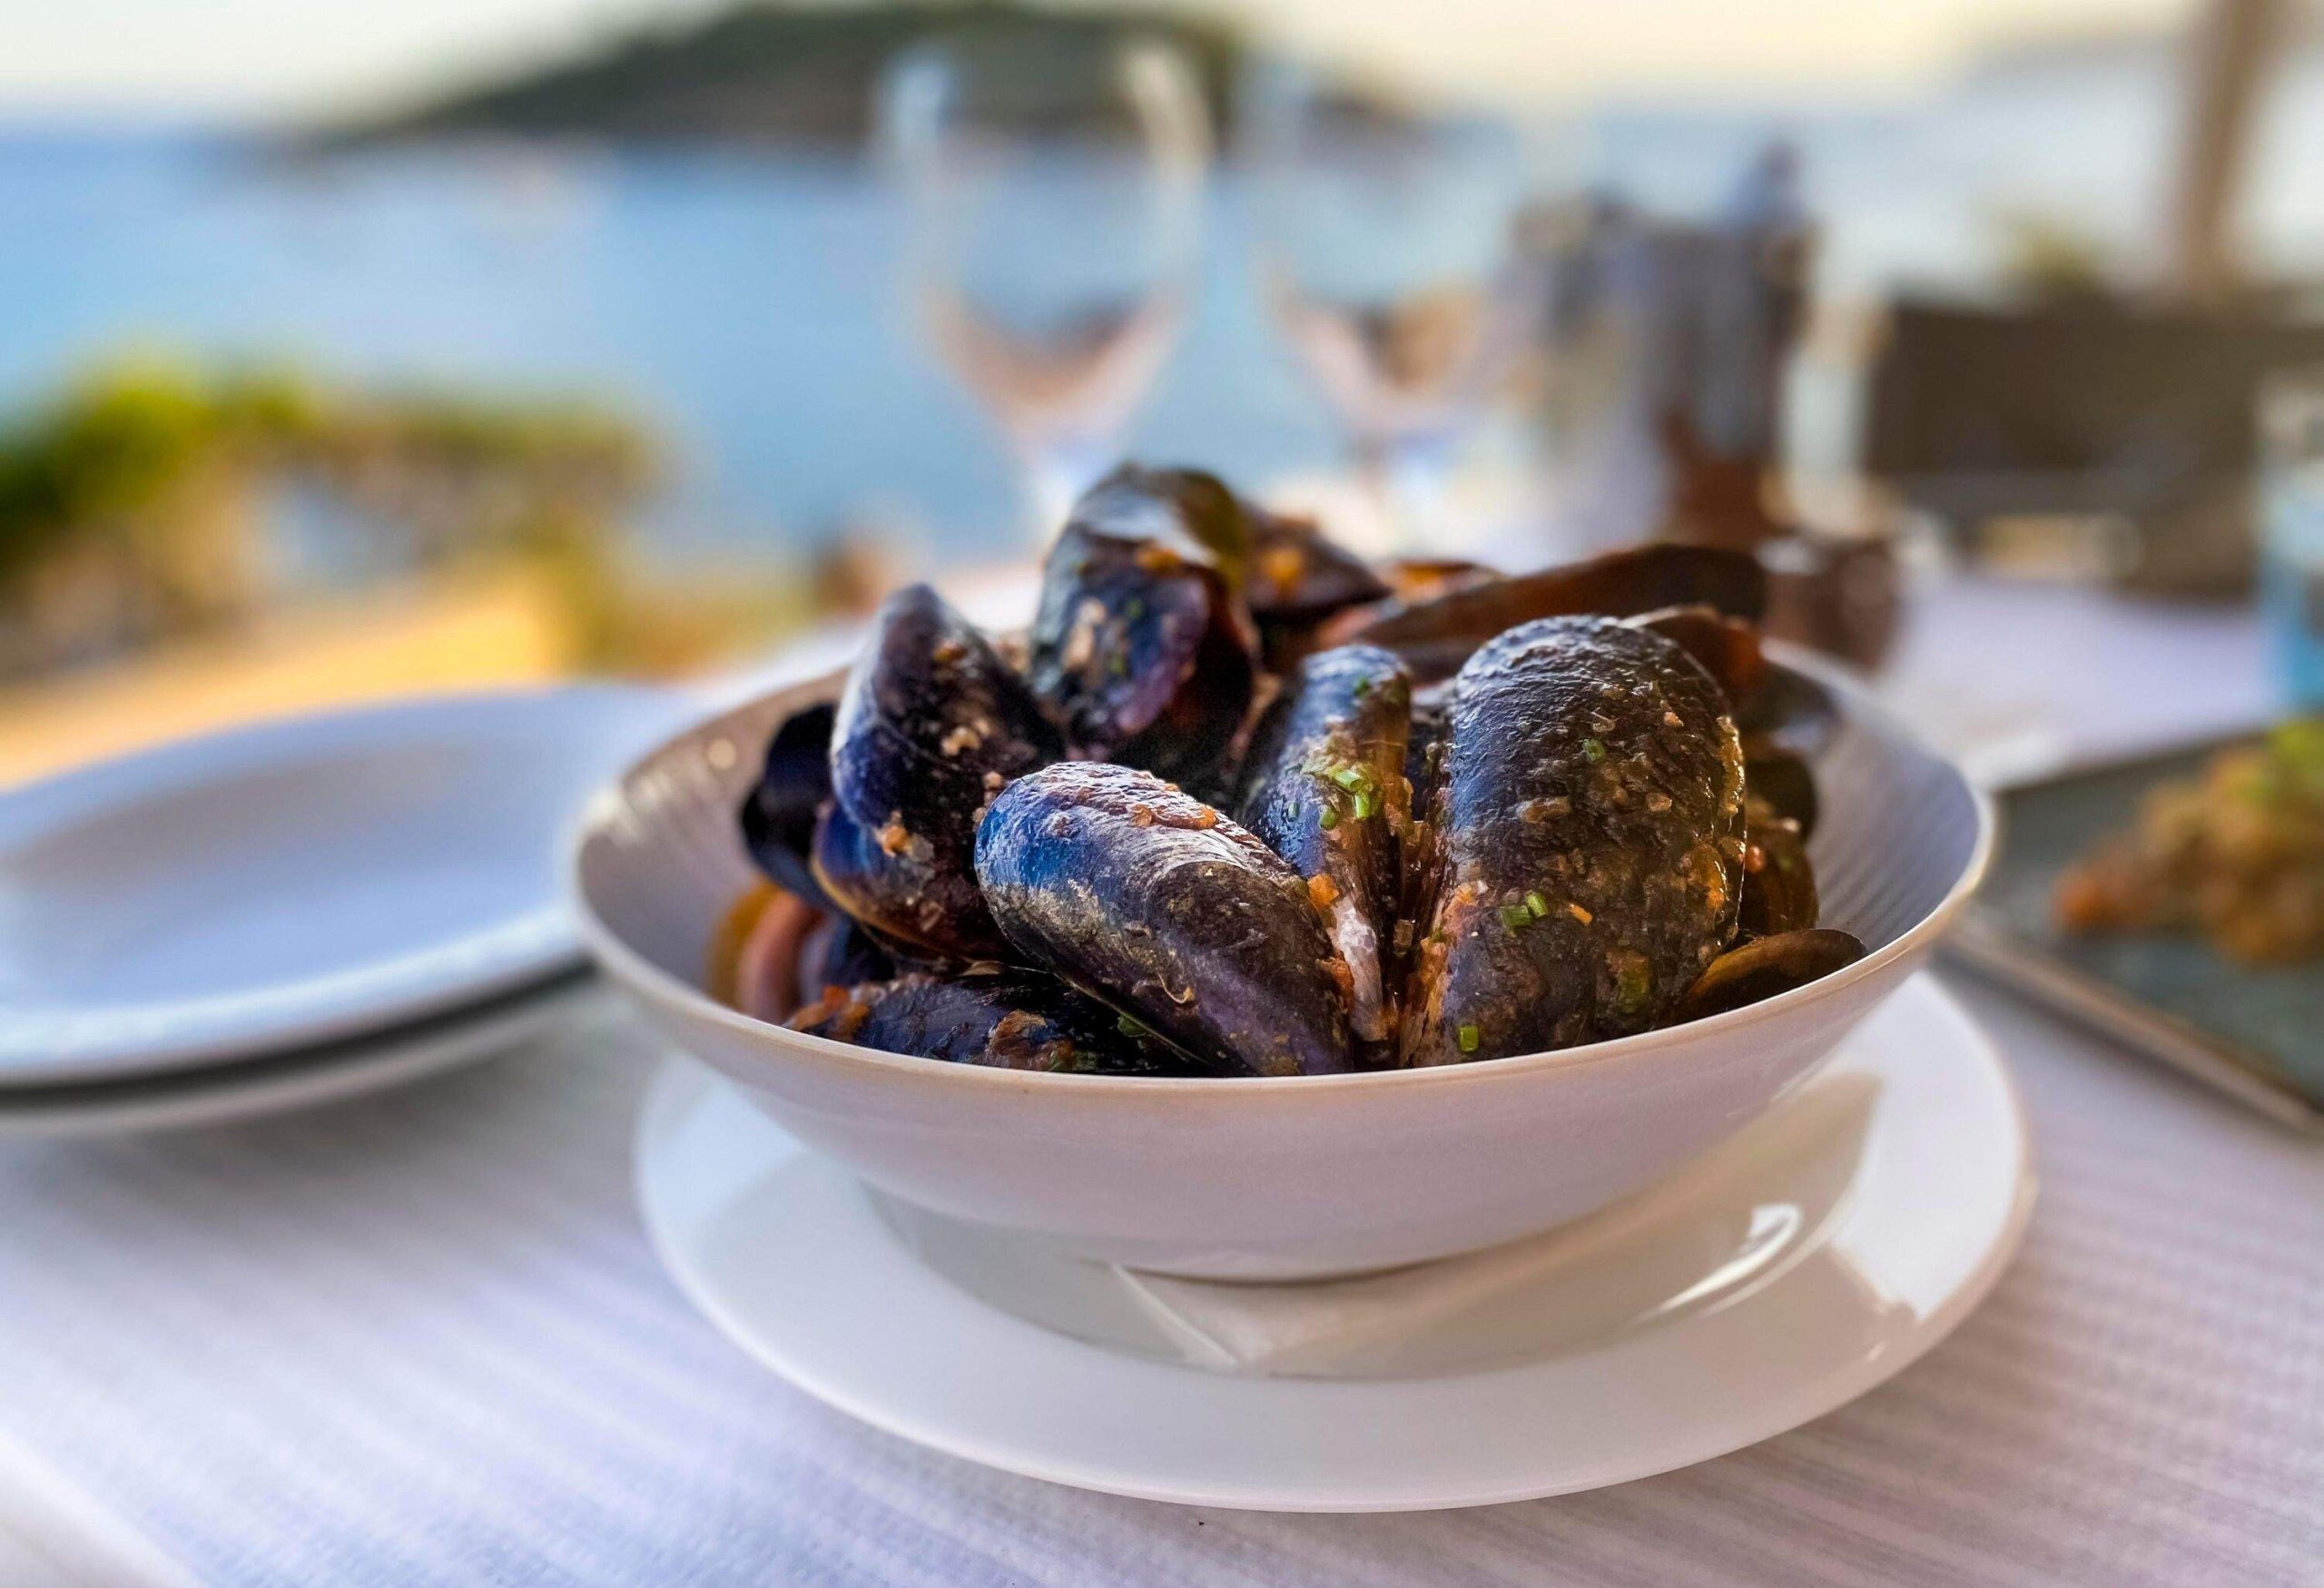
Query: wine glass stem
[[1407, 475]]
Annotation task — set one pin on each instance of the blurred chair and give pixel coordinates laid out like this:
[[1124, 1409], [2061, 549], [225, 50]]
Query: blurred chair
[[2136, 423]]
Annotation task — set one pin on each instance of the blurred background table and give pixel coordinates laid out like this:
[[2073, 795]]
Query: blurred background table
[[421, 1339]]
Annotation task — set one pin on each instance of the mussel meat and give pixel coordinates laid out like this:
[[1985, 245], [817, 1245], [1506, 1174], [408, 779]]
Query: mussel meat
[[1766, 966], [1176, 916], [1141, 647], [1004, 1018], [930, 726], [1587, 842], [1324, 786]]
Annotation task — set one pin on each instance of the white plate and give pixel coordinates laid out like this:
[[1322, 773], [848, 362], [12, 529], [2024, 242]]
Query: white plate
[[296, 883], [1791, 1270], [280, 1083]]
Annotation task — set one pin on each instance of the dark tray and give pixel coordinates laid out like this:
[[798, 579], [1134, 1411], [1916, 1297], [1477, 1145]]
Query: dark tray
[[2255, 1032]]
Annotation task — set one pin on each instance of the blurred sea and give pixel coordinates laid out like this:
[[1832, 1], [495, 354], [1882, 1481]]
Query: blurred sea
[[748, 306]]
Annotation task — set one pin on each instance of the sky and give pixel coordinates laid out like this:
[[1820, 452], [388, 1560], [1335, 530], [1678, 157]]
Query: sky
[[266, 59]]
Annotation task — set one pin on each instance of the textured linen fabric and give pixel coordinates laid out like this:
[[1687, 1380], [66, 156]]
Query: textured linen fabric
[[419, 1338]]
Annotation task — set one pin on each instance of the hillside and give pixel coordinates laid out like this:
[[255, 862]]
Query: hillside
[[766, 72]]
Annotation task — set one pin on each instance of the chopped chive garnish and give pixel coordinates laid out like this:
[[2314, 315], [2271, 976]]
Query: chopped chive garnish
[[1515, 916], [1362, 804], [1633, 984], [1468, 1035], [1363, 687], [1348, 776], [1129, 1026], [1593, 749], [1537, 905], [1327, 818]]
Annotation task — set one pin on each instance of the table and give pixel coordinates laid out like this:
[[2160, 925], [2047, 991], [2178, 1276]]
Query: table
[[419, 1339]]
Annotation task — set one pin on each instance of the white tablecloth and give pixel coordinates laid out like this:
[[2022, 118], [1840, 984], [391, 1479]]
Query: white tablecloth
[[419, 1339]]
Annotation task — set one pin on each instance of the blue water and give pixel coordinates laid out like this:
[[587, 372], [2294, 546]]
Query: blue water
[[748, 306]]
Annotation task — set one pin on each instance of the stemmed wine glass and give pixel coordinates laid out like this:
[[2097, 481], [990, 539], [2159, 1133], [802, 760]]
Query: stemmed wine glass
[[1388, 249], [1055, 191]]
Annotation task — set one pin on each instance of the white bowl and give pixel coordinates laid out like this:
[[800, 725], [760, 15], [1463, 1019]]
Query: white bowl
[[1284, 1177]]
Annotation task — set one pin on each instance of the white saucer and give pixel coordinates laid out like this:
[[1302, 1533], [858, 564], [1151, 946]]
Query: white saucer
[[296, 883], [1784, 1275], [280, 1083]]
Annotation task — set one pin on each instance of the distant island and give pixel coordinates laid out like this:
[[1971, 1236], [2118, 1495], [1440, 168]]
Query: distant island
[[770, 74]]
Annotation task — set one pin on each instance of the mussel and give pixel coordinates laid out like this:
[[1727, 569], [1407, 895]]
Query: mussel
[[1728, 647], [1153, 901], [930, 726], [1766, 966], [1587, 842], [777, 815], [1437, 635], [1004, 1018], [1297, 579], [1779, 893], [1324, 786], [1141, 647]]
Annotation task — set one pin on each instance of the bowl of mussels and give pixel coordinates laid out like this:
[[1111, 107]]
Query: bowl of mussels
[[1260, 912]]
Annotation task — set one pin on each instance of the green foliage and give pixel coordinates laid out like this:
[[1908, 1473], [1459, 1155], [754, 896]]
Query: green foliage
[[136, 488]]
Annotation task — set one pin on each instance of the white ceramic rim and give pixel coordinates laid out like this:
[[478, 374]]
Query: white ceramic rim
[[284, 1084], [500, 956], [629, 966], [1725, 1431]]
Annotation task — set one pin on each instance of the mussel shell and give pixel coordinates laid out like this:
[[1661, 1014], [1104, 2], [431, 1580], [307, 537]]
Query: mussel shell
[[1330, 749], [1006, 1018], [931, 725], [1587, 842], [1298, 578], [838, 953], [1728, 647], [777, 815], [1790, 710], [1141, 647], [1414, 579], [1782, 781], [1766, 966], [1155, 903], [1435, 637], [1778, 889], [1298, 572]]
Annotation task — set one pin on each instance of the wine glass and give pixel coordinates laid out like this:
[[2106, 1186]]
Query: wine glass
[[1388, 251], [1055, 186]]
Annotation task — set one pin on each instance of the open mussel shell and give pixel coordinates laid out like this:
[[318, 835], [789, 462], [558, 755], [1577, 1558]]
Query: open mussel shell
[[1778, 889], [777, 815], [1728, 647], [1141, 647], [1297, 572], [931, 725], [1588, 843], [1413, 579], [1155, 903], [1436, 636], [1783, 782], [1298, 578], [1323, 787], [1003, 1018], [1766, 966]]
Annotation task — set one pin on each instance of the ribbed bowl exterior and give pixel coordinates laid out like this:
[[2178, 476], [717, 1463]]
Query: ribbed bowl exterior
[[1273, 1178]]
